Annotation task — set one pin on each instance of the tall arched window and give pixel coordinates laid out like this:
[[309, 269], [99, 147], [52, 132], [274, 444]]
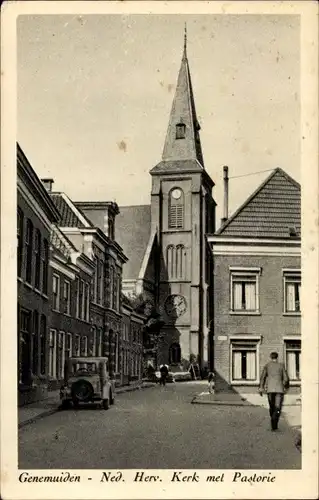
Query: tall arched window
[[180, 261], [170, 258], [176, 209]]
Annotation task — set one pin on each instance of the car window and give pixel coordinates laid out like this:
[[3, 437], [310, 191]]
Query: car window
[[85, 369]]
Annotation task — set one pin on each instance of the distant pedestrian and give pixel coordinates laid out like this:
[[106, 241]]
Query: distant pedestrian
[[275, 381], [164, 374], [211, 382]]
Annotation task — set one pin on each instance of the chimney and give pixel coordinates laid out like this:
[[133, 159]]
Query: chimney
[[48, 183], [225, 171]]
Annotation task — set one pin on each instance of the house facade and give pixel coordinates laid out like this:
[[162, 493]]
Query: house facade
[[99, 246], [131, 347], [35, 215], [71, 332], [256, 286]]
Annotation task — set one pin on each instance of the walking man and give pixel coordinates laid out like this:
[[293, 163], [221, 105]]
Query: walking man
[[275, 381]]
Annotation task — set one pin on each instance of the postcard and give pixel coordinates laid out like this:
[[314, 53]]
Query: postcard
[[159, 250]]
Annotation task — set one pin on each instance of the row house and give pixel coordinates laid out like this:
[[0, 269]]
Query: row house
[[35, 215], [70, 333], [257, 285], [104, 305]]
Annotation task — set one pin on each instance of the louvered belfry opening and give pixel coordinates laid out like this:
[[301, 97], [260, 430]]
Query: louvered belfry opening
[[176, 212]]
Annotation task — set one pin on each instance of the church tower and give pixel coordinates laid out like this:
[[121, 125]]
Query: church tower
[[182, 212]]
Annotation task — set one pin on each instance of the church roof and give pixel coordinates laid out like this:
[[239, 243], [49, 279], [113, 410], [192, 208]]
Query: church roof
[[272, 211], [183, 113], [132, 232]]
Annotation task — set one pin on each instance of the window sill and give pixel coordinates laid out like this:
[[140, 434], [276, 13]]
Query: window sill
[[292, 313], [245, 313], [245, 382]]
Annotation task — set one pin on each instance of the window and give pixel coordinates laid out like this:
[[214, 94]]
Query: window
[[20, 220], [84, 346], [29, 246], [176, 261], [244, 361], [245, 291], [35, 342], [175, 353], [67, 297], [117, 353], [293, 359], [37, 252], [95, 280], [81, 299], [56, 292], [25, 353], [60, 357], [111, 287], [83, 302], [94, 346], [100, 345], [87, 302], [52, 354], [98, 286], [180, 261], [77, 297], [43, 327], [292, 284], [45, 265], [68, 346], [176, 209], [76, 346], [180, 131], [101, 279]]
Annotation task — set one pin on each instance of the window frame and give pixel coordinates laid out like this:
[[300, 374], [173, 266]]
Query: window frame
[[56, 297], [20, 241], [291, 340], [252, 272], [38, 259], [242, 339], [29, 251], [173, 212], [52, 354], [45, 265], [67, 297], [291, 276], [180, 131]]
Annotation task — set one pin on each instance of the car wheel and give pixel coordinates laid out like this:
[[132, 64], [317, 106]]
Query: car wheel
[[82, 391], [105, 404]]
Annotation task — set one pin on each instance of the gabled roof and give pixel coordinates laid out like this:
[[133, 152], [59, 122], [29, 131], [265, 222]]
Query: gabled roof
[[183, 112], [71, 216], [132, 232], [270, 212]]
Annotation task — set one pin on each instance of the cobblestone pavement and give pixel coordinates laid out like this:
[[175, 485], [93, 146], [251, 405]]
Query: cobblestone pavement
[[159, 428]]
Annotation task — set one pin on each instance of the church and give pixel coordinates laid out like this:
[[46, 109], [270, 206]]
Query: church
[[169, 260]]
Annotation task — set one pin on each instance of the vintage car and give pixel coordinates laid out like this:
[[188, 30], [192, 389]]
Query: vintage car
[[86, 380]]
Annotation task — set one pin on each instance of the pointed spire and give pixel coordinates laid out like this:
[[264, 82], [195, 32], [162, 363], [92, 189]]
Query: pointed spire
[[182, 138], [185, 42]]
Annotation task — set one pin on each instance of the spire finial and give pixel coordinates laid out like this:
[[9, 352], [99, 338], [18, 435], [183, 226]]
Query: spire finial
[[185, 40]]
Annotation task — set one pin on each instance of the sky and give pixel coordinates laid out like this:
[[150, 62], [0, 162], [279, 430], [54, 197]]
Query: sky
[[95, 93]]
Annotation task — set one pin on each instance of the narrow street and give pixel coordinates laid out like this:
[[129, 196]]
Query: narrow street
[[158, 428]]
